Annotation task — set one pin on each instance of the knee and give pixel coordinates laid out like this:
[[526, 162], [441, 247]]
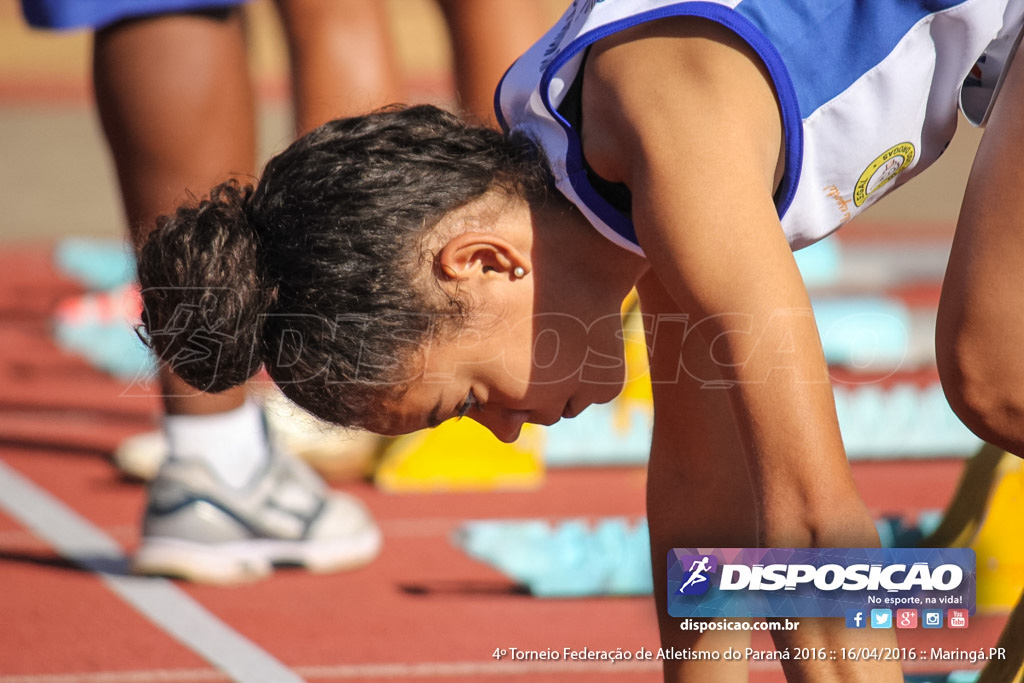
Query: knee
[[984, 387]]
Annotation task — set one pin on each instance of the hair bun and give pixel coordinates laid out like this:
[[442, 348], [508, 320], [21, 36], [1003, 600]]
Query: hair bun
[[203, 297]]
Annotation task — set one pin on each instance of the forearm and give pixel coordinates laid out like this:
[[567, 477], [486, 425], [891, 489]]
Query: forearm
[[702, 491], [804, 493], [700, 495], [779, 392], [805, 497]]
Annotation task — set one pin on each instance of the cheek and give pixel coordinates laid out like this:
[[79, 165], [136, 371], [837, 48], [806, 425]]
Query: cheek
[[558, 349]]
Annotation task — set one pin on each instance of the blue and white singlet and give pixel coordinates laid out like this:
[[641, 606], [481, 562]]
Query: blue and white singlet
[[868, 92]]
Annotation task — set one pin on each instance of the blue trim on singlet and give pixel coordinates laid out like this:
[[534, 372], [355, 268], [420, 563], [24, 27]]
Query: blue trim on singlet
[[791, 121], [497, 100], [94, 14], [859, 36]]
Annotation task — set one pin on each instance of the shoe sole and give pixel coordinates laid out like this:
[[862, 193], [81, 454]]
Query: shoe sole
[[247, 561]]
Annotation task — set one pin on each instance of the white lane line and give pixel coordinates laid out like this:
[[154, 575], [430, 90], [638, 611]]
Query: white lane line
[[158, 599], [21, 537]]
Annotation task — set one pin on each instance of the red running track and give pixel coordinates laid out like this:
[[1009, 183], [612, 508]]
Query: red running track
[[422, 612]]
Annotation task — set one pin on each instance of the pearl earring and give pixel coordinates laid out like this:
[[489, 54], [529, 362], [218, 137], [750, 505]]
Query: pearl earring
[[519, 271]]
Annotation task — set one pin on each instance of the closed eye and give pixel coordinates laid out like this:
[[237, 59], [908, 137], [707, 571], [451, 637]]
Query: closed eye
[[467, 404]]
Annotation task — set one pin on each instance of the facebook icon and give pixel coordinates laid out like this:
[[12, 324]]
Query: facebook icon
[[855, 618]]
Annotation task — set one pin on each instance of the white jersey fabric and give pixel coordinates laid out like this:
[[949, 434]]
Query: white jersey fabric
[[868, 92]]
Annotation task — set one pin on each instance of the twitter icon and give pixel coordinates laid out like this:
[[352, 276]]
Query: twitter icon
[[881, 618]]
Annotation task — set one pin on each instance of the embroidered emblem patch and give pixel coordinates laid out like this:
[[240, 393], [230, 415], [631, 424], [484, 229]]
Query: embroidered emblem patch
[[884, 168]]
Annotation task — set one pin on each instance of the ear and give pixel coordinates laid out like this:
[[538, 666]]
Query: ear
[[470, 255]]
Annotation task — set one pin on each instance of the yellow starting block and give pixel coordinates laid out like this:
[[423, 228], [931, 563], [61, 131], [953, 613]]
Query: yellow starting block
[[462, 455], [999, 545], [984, 515]]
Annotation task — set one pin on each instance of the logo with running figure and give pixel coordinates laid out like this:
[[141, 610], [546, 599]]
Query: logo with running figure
[[884, 168], [696, 581]]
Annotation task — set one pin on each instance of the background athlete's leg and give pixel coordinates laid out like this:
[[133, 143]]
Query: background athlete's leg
[[342, 59], [487, 36], [175, 100]]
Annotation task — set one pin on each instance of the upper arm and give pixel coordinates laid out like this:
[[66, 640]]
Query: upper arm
[[684, 114], [682, 89]]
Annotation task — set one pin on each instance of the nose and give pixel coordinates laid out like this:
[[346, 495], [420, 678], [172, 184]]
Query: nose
[[504, 424]]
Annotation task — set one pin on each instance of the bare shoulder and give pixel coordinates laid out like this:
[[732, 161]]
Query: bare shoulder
[[666, 84]]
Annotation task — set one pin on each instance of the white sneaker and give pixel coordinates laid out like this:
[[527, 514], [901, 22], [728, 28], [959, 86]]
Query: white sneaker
[[197, 528]]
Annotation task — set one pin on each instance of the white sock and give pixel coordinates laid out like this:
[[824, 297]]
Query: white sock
[[232, 444]]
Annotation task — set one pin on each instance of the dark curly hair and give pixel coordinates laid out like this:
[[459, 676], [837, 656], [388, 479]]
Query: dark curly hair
[[311, 273]]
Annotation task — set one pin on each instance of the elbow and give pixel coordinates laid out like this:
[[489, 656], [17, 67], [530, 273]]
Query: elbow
[[987, 397]]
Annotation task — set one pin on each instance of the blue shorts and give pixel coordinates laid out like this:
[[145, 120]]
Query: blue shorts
[[94, 14]]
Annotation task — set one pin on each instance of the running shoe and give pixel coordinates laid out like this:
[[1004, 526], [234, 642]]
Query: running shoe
[[197, 528]]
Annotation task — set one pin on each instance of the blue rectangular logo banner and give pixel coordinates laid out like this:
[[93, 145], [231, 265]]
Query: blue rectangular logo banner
[[818, 582]]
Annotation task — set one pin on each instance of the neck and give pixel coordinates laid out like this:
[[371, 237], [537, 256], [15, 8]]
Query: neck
[[590, 262], [603, 261]]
